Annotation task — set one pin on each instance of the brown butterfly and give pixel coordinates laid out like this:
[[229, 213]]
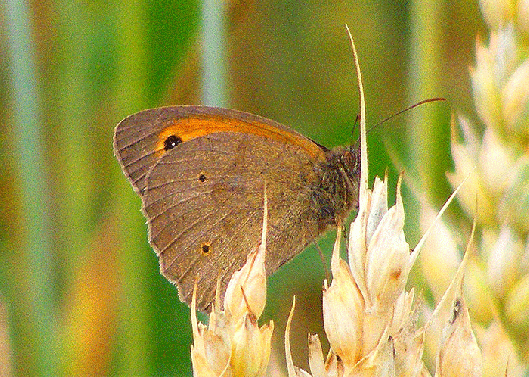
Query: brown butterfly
[[201, 172]]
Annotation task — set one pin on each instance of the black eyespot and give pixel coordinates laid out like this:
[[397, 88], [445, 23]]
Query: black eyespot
[[171, 142], [202, 177], [206, 248]]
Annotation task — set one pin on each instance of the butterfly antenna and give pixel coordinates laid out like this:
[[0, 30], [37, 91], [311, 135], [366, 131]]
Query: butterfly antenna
[[355, 124], [407, 109], [392, 116]]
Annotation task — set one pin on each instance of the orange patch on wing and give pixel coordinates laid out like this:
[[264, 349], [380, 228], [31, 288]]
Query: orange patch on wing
[[193, 127]]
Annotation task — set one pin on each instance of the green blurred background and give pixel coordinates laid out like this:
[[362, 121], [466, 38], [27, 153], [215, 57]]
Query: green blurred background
[[80, 291]]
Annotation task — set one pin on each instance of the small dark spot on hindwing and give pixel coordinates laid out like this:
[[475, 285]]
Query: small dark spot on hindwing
[[206, 248]]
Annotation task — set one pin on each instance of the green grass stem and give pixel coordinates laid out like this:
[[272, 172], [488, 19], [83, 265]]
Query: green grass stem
[[29, 142]]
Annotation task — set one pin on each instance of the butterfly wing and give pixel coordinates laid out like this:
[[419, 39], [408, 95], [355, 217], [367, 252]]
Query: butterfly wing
[[203, 197], [138, 139]]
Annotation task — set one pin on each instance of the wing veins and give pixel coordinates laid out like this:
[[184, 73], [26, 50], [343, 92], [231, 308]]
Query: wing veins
[[188, 228], [135, 141], [175, 204], [229, 241]]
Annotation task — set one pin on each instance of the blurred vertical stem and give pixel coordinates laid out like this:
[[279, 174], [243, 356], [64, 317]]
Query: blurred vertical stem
[[74, 118], [425, 80], [28, 127], [74, 154], [214, 53], [130, 94]]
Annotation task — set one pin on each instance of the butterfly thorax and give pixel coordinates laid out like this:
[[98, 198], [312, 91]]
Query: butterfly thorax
[[336, 193]]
